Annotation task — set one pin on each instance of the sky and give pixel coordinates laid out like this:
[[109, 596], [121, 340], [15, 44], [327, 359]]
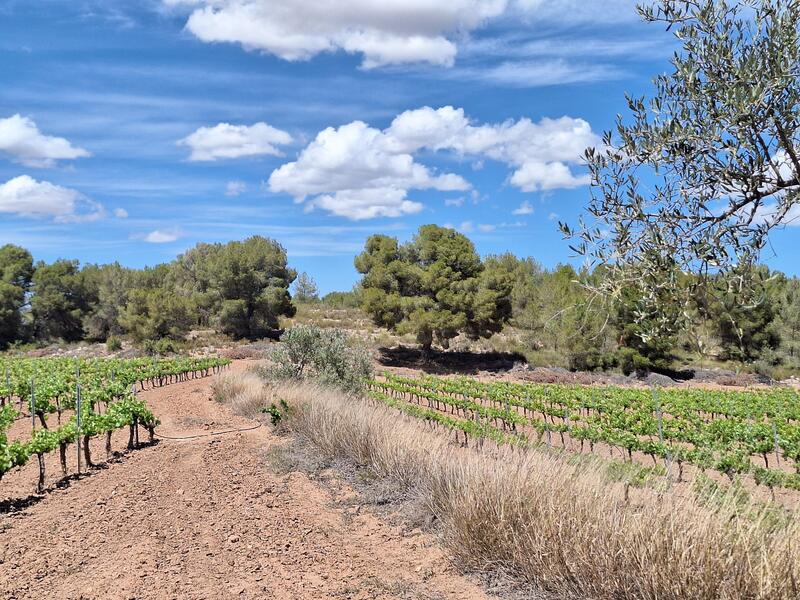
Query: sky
[[130, 130]]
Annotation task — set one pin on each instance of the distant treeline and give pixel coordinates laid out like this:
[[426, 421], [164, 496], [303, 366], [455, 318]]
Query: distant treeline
[[240, 289], [435, 286]]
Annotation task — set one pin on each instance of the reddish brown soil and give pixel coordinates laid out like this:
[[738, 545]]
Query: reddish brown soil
[[205, 518]]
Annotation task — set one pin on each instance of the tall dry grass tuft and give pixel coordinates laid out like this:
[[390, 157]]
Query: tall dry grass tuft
[[563, 529], [557, 526], [244, 392]]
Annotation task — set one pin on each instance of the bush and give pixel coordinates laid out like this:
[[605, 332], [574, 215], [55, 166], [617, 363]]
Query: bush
[[630, 361], [113, 344], [323, 355], [161, 347], [592, 360]]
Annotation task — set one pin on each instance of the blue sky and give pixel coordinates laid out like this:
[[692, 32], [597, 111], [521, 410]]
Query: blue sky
[[131, 130]]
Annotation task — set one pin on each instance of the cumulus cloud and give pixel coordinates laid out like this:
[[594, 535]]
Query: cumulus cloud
[[24, 196], [120, 213], [359, 172], [21, 140], [542, 153], [524, 209], [235, 188], [163, 236], [235, 141], [383, 33]]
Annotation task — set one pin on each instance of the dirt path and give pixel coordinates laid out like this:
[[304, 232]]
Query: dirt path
[[206, 518]]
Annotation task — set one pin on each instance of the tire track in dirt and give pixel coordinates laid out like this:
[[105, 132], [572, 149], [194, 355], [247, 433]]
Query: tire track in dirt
[[206, 519]]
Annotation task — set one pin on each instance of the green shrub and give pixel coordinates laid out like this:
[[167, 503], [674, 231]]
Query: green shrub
[[630, 361], [592, 360], [161, 347], [113, 344], [324, 355]]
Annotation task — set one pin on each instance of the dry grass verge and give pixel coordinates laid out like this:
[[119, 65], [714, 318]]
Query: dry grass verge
[[245, 392], [555, 525]]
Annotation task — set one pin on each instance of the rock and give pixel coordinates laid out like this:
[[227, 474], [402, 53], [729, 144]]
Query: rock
[[658, 380]]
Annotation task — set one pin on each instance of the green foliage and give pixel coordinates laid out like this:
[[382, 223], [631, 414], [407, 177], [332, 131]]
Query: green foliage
[[110, 287], [592, 360], [696, 178], [105, 384], [343, 299], [16, 271], [59, 302], [113, 344], [305, 288], [277, 412], [154, 314], [724, 431], [242, 287], [323, 355], [630, 361], [434, 287]]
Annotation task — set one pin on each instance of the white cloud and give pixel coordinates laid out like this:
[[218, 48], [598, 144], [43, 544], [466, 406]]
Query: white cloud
[[454, 201], [542, 73], [524, 209], [21, 139], [120, 213], [774, 214], [383, 33], [235, 141], [467, 227], [235, 188], [542, 153], [577, 11], [367, 203], [25, 197], [163, 236], [359, 172], [533, 176]]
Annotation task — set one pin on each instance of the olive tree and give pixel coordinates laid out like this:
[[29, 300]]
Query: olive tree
[[435, 286], [699, 174]]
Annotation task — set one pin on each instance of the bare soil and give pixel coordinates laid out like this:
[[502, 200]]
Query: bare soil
[[205, 518]]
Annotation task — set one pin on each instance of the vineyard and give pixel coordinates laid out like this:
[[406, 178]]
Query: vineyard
[[86, 398], [753, 433]]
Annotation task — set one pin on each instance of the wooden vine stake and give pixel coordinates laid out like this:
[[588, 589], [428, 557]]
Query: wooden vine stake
[[78, 423], [33, 408], [660, 419], [8, 388]]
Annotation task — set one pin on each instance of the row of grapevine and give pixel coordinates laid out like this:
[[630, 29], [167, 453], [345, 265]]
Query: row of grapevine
[[726, 431], [88, 398]]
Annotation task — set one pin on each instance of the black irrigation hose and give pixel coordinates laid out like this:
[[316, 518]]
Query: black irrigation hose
[[213, 433]]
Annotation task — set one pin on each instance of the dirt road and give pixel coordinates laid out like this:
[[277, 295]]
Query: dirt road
[[206, 518]]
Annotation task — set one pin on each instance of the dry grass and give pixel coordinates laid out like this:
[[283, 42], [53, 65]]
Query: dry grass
[[245, 393], [556, 526]]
